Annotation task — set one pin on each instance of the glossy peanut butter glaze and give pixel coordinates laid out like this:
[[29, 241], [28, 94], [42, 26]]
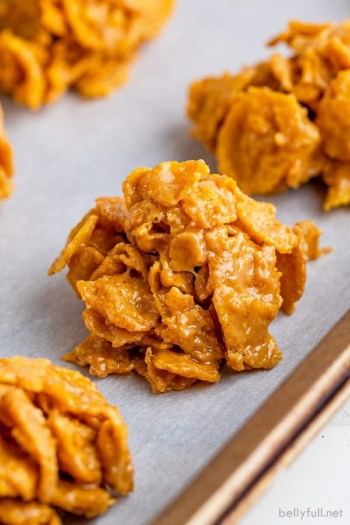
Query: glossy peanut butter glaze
[[185, 274]]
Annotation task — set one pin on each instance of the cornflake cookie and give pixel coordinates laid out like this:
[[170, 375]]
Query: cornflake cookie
[[61, 444], [185, 274], [278, 124], [6, 163], [48, 46]]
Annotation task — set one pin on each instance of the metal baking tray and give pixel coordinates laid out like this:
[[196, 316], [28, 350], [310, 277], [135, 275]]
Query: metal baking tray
[[68, 154]]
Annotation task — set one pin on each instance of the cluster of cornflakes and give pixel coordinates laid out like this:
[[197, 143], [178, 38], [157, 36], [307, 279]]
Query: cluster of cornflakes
[[183, 275], [283, 121], [6, 164], [48, 46], [61, 444]]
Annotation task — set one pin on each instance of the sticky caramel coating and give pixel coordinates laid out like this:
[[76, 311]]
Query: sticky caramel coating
[[277, 124], [61, 444], [6, 162], [193, 278], [48, 46]]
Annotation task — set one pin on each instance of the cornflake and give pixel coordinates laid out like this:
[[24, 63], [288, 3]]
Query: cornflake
[[182, 276], [284, 121], [49, 46], [6, 164], [61, 444]]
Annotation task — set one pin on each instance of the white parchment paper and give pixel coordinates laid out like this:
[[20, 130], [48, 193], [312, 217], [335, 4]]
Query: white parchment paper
[[76, 150]]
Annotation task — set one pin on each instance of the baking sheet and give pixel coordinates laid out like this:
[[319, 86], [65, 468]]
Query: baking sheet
[[76, 150]]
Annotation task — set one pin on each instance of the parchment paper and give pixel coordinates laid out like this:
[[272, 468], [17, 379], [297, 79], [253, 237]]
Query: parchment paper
[[76, 150]]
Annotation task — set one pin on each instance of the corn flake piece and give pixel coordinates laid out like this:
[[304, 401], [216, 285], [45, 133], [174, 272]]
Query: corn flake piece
[[124, 302], [93, 237], [212, 202], [23, 16], [267, 142], [18, 472], [17, 512], [102, 75], [82, 264], [196, 280], [123, 258], [187, 250], [78, 239], [149, 227], [53, 425], [182, 280], [167, 183], [113, 209], [316, 59], [102, 358], [258, 219], [21, 69], [81, 500], [153, 15], [191, 328], [293, 265], [293, 268], [76, 453], [309, 235], [161, 380], [118, 337], [100, 25], [185, 366], [209, 101], [300, 35], [29, 429], [112, 436], [244, 317]]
